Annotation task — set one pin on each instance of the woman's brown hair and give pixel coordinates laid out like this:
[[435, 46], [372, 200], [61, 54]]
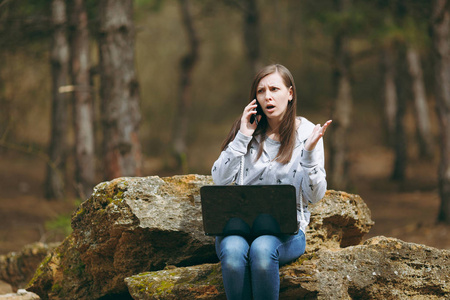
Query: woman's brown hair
[[287, 130]]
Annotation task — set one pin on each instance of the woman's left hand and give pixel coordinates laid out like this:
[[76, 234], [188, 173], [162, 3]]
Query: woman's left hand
[[316, 134]]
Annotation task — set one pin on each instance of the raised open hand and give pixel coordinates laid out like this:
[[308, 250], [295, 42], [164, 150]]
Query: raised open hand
[[316, 134]]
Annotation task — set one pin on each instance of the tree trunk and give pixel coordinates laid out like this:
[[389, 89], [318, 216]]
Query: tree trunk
[[251, 30], [400, 149], [82, 100], [441, 43], [425, 137], [342, 107], [119, 90], [187, 65], [390, 92], [5, 112], [251, 34], [59, 61]]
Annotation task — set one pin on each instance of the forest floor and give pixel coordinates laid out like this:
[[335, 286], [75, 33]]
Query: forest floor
[[405, 210]]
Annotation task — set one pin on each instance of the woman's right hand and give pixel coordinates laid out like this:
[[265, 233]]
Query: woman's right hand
[[248, 128]]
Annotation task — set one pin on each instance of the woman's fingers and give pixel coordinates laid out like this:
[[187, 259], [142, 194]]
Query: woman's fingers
[[247, 127], [316, 134], [252, 106], [325, 126]]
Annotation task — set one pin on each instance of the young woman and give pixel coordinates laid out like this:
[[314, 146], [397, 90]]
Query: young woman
[[269, 144]]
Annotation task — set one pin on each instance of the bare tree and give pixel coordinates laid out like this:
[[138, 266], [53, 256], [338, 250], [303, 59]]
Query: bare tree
[[440, 27], [119, 89], [82, 99], [251, 30], [342, 105], [390, 92], [187, 65], [59, 60], [251, 34], [5, 115], [402, 87], [425, 137]]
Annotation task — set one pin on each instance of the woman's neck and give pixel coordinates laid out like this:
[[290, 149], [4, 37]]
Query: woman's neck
[[272, 131]]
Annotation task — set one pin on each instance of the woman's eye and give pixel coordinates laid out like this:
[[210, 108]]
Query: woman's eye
[[259, 91], [274, 89]]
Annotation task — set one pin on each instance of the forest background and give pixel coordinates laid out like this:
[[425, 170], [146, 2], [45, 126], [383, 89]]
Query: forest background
[[194, 61]]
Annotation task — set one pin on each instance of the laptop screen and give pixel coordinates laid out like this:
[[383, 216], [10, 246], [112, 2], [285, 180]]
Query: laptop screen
[[249, 210]]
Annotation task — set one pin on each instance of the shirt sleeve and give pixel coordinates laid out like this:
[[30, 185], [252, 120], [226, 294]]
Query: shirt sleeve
[[314, 184], [226, 168]]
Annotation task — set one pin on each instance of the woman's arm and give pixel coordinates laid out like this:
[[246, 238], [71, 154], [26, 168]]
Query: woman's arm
[[314, 184], [226, 167]]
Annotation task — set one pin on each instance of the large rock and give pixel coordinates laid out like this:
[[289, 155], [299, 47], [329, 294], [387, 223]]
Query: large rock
[[133, 225], [337, 221], [18, 267], [127, 226], [381, 268]]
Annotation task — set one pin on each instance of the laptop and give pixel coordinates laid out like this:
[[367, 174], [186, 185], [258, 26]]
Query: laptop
[[249, 210]]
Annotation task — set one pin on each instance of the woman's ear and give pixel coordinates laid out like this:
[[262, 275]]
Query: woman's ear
[[291, 93]]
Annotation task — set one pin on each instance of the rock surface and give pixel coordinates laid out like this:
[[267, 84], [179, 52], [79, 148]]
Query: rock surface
[[17, 268], [134, 225], [20, 295], [127, 226], [5, 288], [337, 221], [381, 268]]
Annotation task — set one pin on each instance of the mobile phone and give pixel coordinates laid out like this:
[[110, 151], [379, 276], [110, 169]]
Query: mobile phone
[[258, 112]]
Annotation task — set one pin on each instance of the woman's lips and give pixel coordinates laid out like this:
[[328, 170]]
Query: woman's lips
[[270, 108]]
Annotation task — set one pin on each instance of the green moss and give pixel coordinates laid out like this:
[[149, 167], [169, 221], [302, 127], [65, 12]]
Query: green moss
[[215, 277], [59, 254], [56, 288], [305, 257], [40, 269], [151, 283], [76, 270], [72, 264], [58, 291], [81, 211], [116, 198], [165, 287], [144, 285]]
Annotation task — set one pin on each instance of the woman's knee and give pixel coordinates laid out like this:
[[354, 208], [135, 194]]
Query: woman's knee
[[233, 248], [264, 251]]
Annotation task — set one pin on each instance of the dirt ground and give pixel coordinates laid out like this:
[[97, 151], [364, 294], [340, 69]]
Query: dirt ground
[[405, 210]]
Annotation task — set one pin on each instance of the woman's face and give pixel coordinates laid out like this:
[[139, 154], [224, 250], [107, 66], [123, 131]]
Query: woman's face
[[273, 96]]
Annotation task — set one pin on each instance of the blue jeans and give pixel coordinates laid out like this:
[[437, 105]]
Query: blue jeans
[[251, 267]]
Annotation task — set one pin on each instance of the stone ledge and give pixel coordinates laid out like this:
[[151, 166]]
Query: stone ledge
[[381, 268]]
